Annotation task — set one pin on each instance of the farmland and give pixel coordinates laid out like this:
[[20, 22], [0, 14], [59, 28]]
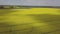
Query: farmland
[[30, 21]]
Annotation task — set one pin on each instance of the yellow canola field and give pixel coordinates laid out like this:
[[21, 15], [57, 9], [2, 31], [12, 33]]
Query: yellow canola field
[[30, 21]]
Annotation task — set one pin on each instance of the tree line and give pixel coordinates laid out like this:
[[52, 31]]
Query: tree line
[[13, 7], [4, 7]]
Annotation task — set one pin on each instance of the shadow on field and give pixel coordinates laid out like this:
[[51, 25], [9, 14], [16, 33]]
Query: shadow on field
[[6, 11], [18, 29], [11, 29], [53, 20], [4, 27]]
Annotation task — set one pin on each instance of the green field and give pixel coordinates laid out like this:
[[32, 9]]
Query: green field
[[30, 21]]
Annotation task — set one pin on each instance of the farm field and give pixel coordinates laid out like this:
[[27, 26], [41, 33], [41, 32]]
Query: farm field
[[30, 21]]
